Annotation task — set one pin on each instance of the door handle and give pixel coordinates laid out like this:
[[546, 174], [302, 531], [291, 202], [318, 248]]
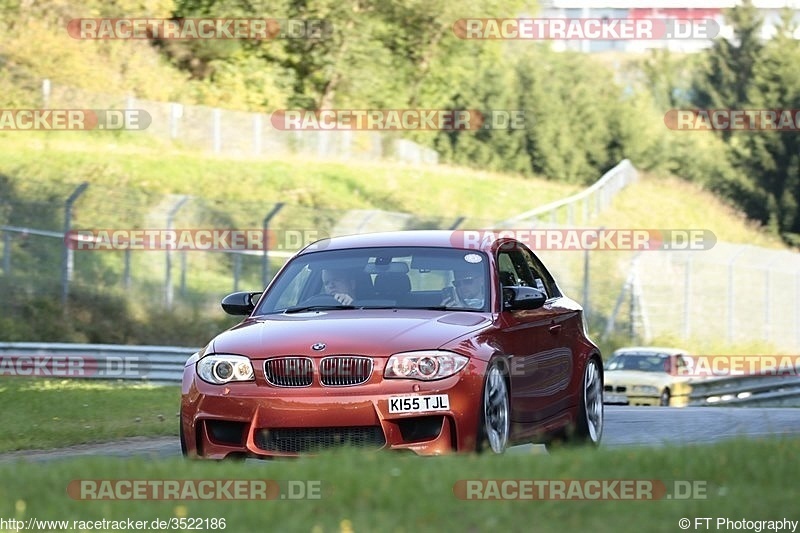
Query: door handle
[[555, 329]]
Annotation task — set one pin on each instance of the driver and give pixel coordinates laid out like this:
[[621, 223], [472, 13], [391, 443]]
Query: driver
[[340, 284]]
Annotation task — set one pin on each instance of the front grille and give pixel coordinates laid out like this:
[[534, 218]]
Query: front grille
[[289, 371], [619, 388], [340, 371], [300, 440]]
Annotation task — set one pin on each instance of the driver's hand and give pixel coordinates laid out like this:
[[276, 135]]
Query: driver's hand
[[343, 298]]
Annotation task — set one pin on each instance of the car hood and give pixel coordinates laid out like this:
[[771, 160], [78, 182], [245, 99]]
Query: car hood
[[357, 332], [638, 377]]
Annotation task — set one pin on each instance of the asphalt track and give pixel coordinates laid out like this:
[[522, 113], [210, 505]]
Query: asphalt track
[[624, 426]]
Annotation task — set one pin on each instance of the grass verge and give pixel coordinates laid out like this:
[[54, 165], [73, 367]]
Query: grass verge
[[53, 413], [362, 491]]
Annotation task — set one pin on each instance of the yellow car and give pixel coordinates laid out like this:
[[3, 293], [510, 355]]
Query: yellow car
[[647, 376]]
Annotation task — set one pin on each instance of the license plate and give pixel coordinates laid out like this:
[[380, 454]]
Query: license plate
[[416, 404], [609, 397]]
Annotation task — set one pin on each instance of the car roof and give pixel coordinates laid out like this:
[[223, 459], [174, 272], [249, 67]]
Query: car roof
[[428, 238], [649, 350]]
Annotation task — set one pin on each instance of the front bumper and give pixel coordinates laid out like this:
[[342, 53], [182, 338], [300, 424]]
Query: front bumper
[[255, 419]]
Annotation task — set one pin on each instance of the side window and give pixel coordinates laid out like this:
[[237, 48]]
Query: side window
[[506, 270], [512, 263], [542, 278]]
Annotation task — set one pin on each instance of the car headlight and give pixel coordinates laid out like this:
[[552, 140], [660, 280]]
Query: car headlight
[[425, 365], [645, 389], [219, 369]]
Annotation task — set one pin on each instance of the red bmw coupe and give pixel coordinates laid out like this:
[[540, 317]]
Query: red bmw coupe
[[415, 340]]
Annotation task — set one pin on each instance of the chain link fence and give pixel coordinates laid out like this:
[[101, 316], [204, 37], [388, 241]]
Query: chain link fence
[[243, 134], [36, 216], [732, 292]]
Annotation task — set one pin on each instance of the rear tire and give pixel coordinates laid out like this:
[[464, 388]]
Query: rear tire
[[589, 427]]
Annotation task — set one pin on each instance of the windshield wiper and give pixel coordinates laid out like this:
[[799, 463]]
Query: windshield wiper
[[301, 308]]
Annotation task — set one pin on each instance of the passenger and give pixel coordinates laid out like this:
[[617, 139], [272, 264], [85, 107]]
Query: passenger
[[470, 290]]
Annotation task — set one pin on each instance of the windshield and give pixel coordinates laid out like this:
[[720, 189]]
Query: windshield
[[390, 277], [641, 362]]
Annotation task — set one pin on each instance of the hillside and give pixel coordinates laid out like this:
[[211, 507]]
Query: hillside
[[134, 181]]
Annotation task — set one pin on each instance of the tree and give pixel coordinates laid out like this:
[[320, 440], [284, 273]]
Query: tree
[[728, 76]]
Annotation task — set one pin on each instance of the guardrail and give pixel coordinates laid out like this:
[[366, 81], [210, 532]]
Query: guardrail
[[163, 365], [750, 391], [592, 200], [147, 364]]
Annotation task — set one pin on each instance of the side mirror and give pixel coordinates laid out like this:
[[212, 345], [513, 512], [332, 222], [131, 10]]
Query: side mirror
[[240, 303], [517, 298]]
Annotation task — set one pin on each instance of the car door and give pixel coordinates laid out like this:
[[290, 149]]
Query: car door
[[540, 358]]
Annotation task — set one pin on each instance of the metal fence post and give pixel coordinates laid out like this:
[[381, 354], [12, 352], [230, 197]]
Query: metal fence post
[[457, 223], [183, 273], [6, 253], [585, 204], [216, 129], [257, 141], [767, 300], [687, 300], [126, 272], [586, 282], [237, 270], [67, 255], [175, 113], [265, 258], [168, 289], [46, 90], [731, 286]]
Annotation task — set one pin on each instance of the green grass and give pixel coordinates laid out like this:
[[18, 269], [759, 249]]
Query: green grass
[[128, 173], [363, 491], [667, 202], [52, 413]]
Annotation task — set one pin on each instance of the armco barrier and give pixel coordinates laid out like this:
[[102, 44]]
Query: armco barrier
[[750, 391], [164, 365], [147, 364], [582, 207]]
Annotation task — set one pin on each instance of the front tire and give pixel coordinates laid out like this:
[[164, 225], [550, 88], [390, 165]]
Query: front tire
[[184, 450], [665, 398], [495, 414]]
